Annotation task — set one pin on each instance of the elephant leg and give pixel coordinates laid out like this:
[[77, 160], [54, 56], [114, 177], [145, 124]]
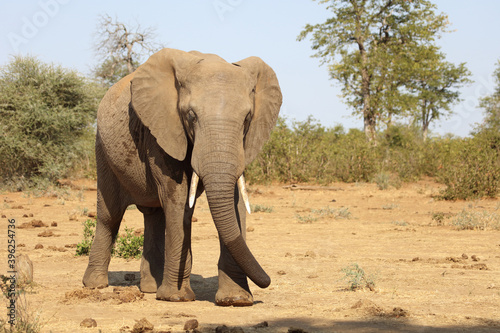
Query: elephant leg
[[233, 284], [176, 284], [110, 210], [153, 254]]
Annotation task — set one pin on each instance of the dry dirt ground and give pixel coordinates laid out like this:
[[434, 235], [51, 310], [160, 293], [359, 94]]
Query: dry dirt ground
[[422, 282]]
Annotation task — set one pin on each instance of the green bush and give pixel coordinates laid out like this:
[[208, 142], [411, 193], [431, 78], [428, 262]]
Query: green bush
[[472, 169], [83, 248], [47, 115], [357, 278], [129, 245]]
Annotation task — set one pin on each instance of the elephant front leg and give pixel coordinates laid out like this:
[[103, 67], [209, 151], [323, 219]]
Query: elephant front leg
[[108, 222], [176, 286], [233, 284], [153, 255]]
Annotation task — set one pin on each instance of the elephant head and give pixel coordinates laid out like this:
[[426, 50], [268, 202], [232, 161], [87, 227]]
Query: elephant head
[[225, 112]]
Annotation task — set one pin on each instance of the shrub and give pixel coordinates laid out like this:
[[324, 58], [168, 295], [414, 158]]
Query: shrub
[[473, 170], [45, 112], [476, 220], [357, 278], [129, 245], [83, 248]]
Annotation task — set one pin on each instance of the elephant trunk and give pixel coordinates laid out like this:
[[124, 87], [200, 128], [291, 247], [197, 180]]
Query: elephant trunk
[[219, 179]]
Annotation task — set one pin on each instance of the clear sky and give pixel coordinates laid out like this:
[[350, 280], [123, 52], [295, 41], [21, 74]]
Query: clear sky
[[61, 31]]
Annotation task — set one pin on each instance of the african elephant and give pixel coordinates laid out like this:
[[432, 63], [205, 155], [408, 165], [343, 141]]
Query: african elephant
[[179, 119]]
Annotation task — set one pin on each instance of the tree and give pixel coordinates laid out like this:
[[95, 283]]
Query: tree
[[121, 48], [491, 105], [366, 43], [434, 81], [45, 110]]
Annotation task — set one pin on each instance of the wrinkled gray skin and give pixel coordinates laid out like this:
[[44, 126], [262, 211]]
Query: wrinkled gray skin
[[177, 113]]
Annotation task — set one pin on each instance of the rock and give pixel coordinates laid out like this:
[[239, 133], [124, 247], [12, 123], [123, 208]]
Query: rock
[[310, 254], [73, 217], [24, 268], [261, 325], [53, 224], [4, 216], [474, 258], [21, 245], [38, 246], [46, 233], [191, 324], [194, 219], [281, 273], [88, 322], [288, 255], [139, 232], [225, 329], [37, 224], [71, 246], [25, 215], [250, 229], [464, 256], [296, 330], [92, 214], [142, 325]]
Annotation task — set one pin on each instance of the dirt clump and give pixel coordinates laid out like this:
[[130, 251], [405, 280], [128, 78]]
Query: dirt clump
[[191, 324], [32, 224], [118, 295], [142, 325], [88, 322]]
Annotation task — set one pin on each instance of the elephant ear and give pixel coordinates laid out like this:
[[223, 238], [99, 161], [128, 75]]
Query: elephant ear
[[154, 92], [267, 103]]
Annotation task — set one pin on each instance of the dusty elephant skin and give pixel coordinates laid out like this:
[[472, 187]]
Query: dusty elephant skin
[[182, 116]]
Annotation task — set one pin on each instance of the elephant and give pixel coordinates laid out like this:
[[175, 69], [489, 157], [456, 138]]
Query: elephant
[[181, 124]]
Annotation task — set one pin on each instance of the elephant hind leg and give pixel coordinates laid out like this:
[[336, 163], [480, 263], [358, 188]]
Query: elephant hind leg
[[153, 255]]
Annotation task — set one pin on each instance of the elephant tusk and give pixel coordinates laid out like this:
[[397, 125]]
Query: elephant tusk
[[244, 194], [193, 188]]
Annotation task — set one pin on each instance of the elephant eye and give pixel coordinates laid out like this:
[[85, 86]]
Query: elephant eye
[[191, 116]]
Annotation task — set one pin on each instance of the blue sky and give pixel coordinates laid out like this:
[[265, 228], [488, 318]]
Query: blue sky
[[61, 31]]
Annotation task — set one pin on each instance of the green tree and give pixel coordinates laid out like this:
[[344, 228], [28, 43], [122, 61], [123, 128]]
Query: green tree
[[121, 48], [491, 105], [45, 110], [366, 45], [434, 83]]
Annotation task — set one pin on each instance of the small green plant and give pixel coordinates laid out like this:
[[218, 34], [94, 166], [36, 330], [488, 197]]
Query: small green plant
[[382, 179], [476, 220], [390, 206], [306, 219], [438, 217], [357, 278], [261, 208], [83, 248], [129, 245], [400, 223], [385, 180], [317, 214]]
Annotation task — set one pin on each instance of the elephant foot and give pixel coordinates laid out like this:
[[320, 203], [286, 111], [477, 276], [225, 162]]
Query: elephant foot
[[95, 279], [167, 293], [231, 293], [148, 284]]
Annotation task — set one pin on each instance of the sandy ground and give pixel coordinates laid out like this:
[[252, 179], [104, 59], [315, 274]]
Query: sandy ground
[[422, 282]]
